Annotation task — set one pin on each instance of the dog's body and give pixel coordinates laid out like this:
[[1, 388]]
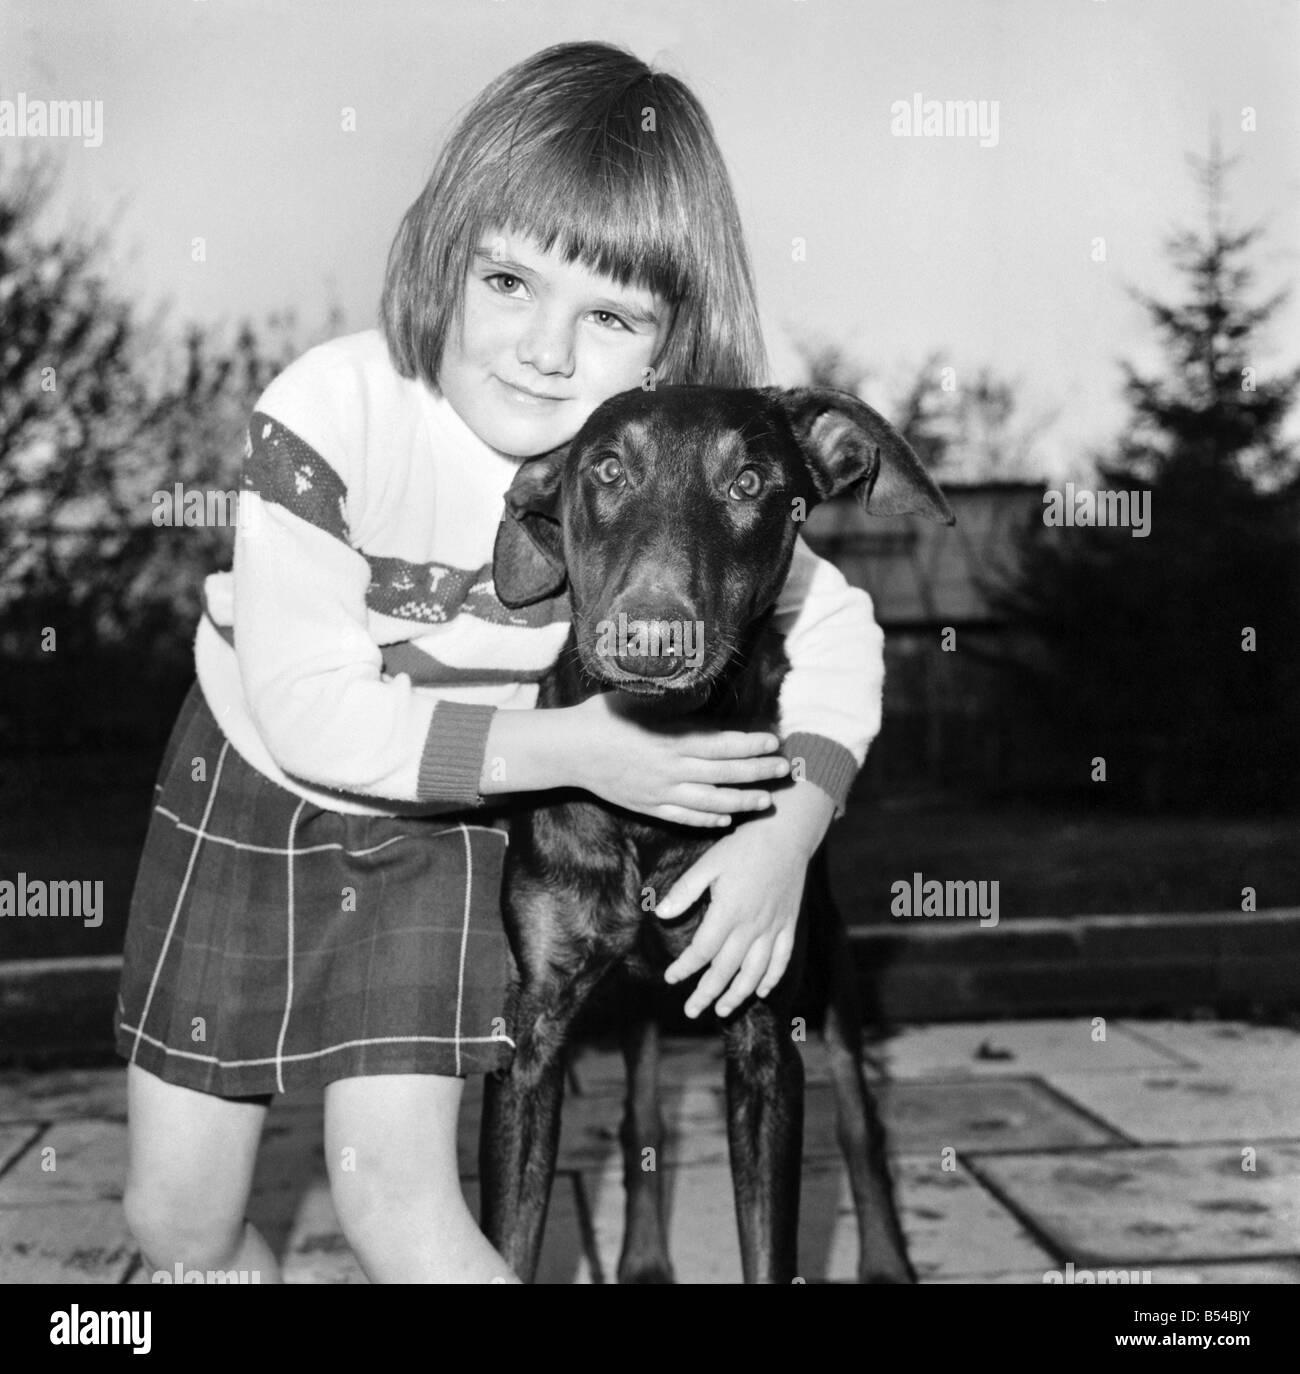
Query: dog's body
[[700, 532]]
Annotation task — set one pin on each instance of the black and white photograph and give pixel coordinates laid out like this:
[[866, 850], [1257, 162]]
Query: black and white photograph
[[648, 642]]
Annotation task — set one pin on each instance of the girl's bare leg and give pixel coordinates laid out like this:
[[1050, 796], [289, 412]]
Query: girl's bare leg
[[189, 1175], [390, 1144]]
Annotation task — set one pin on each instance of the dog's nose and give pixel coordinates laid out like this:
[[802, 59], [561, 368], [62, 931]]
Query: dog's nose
[[663, 656], [658, 645]]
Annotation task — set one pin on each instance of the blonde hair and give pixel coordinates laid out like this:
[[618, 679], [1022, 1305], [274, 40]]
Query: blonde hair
[[587, 150]]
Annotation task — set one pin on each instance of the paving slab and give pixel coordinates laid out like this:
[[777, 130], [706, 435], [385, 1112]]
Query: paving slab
[[62, 1094], [1260, 1271], [1144, 1206], [976, 1049], [988, 1114], [317, 1251], [952, 1224], [14, 1138], [1246, 1105], [1044, 1120], [88, 1164], [1223, 1044], [84, 1243], [702, 1240], [695, 1119]]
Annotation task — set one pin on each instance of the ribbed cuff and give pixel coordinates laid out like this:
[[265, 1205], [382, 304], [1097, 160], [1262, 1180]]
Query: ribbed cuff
[[826, 762], [452, 761]]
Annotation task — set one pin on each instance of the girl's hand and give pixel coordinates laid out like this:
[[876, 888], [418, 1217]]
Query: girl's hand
[[755, 879], [670, 772]]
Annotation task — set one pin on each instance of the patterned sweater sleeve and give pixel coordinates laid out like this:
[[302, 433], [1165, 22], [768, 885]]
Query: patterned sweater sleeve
[[830, 705], [311, 672]]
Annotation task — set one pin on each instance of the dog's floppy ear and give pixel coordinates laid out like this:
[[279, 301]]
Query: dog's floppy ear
[[528, 560], [847, 444]]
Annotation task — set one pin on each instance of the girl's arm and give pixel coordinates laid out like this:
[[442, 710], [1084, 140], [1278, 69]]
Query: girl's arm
[[830, 711], [310, 670], [830, 706], [312, 678]]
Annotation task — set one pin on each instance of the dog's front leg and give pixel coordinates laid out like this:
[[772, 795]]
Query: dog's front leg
[[520, 1137], [765, 1133], [644, 1258]]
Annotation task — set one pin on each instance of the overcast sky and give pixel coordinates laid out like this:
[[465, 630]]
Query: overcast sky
[[222, 119]]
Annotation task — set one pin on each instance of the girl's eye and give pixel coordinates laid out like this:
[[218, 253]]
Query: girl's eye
[[504, 282], [748, 484], [608, 471], [608, 318]]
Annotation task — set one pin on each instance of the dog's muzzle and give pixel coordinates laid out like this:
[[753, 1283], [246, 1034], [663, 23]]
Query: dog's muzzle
[[655, 648]]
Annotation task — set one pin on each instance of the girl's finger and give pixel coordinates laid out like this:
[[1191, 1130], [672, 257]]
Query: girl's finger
[[729, 744], [723, 800], [688, 889], [782, 948], [682, 815], [719, 974], [756, 961], [703, 948], [733, 772]]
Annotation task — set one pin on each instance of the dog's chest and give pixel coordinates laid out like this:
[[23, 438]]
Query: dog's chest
[[586, 880], [583, 878]]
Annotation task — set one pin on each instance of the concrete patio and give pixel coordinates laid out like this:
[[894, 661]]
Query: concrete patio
[[1168, 1147]]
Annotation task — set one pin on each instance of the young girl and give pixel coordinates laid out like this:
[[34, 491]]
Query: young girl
[[317, 903]]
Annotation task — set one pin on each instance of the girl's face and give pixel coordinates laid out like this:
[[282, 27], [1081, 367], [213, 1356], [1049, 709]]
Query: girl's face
[[542, 343]]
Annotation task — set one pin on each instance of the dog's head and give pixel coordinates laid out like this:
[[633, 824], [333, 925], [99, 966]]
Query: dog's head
[[673, 514]]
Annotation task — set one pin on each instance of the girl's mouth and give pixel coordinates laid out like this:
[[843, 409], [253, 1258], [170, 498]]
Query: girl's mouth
[[526, 397]]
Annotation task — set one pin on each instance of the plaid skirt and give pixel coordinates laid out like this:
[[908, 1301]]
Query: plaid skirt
[[273, 945]]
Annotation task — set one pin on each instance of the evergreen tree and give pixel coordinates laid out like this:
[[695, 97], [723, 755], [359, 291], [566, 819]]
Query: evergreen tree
[[1175, 656]]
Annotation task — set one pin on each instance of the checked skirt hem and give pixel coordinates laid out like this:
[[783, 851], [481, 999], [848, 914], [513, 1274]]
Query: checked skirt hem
[[273, 945]]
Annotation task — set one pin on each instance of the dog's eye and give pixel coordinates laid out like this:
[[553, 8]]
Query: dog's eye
[[608, 471], [748, 484]]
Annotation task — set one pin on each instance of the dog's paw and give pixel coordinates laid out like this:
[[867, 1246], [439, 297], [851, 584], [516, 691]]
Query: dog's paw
[[648, 1270]]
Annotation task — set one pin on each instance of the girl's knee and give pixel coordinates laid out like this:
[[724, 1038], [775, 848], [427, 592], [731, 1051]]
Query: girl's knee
[[190, 1171], [170, 1226]]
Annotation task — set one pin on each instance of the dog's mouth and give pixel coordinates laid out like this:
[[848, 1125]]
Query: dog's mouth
[[648, 686], [669, 671], [688, 680]]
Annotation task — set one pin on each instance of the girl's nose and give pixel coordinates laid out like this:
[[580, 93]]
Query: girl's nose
[[547, 345]]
